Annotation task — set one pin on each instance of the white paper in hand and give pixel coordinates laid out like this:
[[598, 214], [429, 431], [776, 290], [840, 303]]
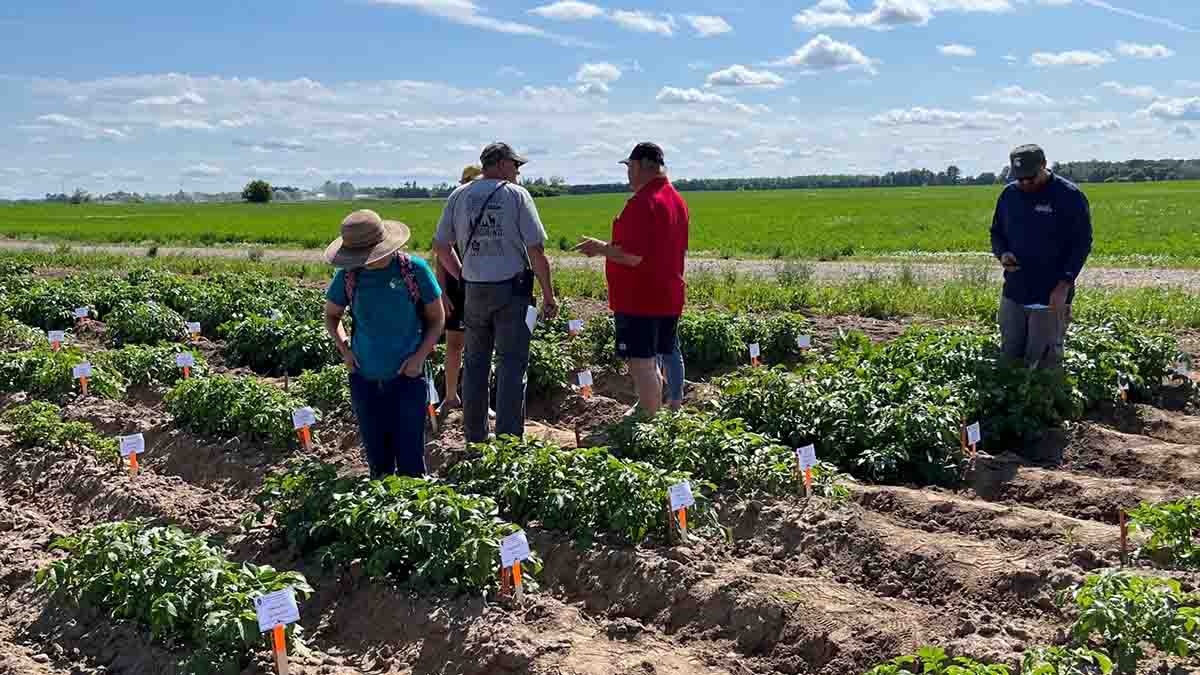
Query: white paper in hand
[[276, 609], [56, 336], [804, 342], [514, 547], [82, 370], [531, 317], [303, 417], [681, 496], [755, 351], [575, 326], [193, 327], [974, 434], [807, 457], [135, 444], [585, 378], [185, 360], [433, 397], [81, 312]]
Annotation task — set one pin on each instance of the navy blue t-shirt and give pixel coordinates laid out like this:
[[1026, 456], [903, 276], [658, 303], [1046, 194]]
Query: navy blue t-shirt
[[1050, 233]]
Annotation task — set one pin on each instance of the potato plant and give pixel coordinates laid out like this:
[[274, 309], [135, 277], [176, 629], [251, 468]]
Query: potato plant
[[225, 407], [934, 661], [188, 593], [710, 340], [145, 366], [1172, 527], [16, 336], [327, 388], [1126, 611], [48, 375], [278, 346], [777, 334], [419, 531], [40, 424], [1064, 661], [145, 323], [550, 367], [49, 305], [584, 492]]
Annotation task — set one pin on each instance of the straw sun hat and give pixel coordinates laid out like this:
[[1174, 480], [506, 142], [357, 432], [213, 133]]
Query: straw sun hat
[[366, 238]]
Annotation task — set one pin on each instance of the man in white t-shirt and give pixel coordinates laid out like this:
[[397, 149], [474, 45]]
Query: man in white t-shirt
[[495, 224]]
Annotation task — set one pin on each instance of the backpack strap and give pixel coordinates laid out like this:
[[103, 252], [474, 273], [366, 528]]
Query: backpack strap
[[407, 273]]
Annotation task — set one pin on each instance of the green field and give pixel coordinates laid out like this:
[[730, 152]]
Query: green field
[[1160, 221]]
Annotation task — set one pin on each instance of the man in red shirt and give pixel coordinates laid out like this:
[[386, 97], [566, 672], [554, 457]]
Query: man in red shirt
[[644, 265]]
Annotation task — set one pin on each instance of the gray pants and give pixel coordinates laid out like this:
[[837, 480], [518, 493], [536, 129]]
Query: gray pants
[[1034, 336], [494, 318]]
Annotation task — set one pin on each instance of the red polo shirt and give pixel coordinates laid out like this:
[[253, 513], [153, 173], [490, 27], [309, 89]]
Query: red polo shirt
[[654, 225]]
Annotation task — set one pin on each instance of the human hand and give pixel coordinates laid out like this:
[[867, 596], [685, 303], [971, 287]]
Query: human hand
[[549, 309], [412, 366], [447, 303], [1009, 261], [591, 247], [1058, 297], [348, 356]]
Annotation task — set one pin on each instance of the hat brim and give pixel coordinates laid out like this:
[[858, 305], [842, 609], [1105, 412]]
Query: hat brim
[[1025, 173], [396, 235]]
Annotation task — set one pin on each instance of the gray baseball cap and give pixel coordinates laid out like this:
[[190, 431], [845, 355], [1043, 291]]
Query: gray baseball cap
[[497, 151], [1026, 161]]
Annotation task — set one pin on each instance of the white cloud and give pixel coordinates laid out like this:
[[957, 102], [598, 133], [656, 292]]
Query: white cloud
[[1144, 51], [708, 26], [644, 22], [202, 171], [193, 125], [675, 95], [1173, 25], [1011, 58], [1184, 131], [274, 145], [888, 14], [1015, 95], [467, 13], [710, 152], [568, 10], [59, 119], [1087, 127], [1070, 58], [936, 117], [825, 53], [1188, 84], [598, 72], [1143, 91], [510, 71], [741, 76], [180, 99], [1175, 109], [956, 50], [89, 131]]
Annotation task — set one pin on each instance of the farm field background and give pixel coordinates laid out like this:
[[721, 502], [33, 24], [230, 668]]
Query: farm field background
[[1141, 223]]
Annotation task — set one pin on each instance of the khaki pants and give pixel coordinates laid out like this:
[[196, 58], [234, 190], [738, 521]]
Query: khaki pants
[[1034, 336]]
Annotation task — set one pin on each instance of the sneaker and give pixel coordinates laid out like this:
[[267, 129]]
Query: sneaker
[[491, 414]]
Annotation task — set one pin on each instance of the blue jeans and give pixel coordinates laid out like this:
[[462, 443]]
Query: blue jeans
[[495, 322], [391, 421], [672, 365]]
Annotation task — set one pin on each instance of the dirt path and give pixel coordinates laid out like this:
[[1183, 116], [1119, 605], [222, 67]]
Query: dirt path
[[972, 267]]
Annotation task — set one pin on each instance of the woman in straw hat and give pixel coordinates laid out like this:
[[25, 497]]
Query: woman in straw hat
[[397, 317]]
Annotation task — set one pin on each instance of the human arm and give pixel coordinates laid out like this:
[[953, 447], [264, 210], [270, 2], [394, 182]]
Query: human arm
[[1079, 247], [541, 269], [595, 247], [448, 259], [533, 236], [333, 325], [1001, 248], [434, 319], [441, 274], [630, 230], [443, 241]]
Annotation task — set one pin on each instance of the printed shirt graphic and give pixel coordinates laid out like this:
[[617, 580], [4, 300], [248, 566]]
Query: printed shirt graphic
[[510, 224], [387, 326]]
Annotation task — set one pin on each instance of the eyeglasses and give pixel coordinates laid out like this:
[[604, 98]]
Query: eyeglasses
[[1024, 181]]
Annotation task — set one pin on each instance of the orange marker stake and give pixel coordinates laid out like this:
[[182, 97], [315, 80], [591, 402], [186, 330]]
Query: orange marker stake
[[305, 438], [518, 588], [55, 346], [133, 465], [280, 649], [433, 423], [807, 480], [1124, 537], [187, 372], [83, 385], [586, 391]]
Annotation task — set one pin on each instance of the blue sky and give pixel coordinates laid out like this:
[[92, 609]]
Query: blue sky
[[153, 96]]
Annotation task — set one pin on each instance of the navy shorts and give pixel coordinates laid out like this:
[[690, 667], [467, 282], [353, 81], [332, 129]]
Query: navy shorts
[[645, 337]]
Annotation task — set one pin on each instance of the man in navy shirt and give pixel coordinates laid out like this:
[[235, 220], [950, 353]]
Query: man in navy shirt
[[1042, 235]]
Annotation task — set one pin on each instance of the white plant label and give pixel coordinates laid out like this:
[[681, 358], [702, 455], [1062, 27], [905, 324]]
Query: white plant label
[[434, 399], [276, 314], [514, 547], [193, 327], [755, 351], [804, 341], [585, 378], [57, 336], [133, 445], [185, 360], [82, 370], [303, 417], [681, 496], [82, 312], [575, 326], [276, 609], [974, 434], [807, 456], [531, 317]]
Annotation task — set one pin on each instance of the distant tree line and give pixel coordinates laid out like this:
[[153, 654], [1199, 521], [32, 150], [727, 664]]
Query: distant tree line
[[1131, 171]]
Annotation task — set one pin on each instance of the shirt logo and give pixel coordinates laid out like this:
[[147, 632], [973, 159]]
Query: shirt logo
[[1044, 208], [394, 284]]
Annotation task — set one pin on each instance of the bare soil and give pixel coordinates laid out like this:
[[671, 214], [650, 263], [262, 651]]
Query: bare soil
[[800, 587]]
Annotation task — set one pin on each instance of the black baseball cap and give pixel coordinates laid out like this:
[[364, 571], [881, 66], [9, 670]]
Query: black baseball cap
[[649, 151], [497, 151], [1026, 161]]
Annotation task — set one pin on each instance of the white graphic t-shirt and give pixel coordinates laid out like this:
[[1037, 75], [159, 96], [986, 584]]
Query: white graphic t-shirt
[[510, 224]]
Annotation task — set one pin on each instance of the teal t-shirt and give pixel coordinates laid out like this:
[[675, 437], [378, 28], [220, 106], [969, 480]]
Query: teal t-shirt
[[387, 326]]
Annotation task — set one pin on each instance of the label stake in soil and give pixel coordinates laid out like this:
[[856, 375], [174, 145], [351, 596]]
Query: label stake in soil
[[82, 372], [194, 330], [1122, 388], [574, 327], [755, 354], [585, 384], [513, 549], [131, 447], [432, 399], [681, 498], [56, 338], [302, 421], [804, 342], [1124, 537], [186, 361], [81, 313], [275, 611], [972, 434], [806, 459]]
